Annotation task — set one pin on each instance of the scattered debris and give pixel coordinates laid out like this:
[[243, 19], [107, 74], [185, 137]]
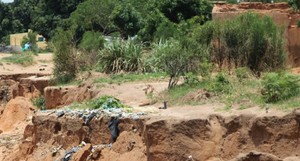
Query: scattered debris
[[88, 118], [4, 94], [60, 114], [165, 105], [68, 155], [149, 89], [114, 129], [55, 150]]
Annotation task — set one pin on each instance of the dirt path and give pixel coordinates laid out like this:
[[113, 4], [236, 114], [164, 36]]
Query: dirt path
[[42, 61]]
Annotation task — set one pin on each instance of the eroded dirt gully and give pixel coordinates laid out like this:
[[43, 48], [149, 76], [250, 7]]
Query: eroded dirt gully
[[29, 134], [243, 138]]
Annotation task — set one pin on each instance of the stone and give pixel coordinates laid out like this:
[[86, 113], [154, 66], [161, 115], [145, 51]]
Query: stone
[[96, 154], [83, 153]]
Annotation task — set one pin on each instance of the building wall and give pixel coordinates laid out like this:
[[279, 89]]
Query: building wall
[[16, 41]]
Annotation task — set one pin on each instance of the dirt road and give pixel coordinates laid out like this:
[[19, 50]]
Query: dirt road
[[42, 61]]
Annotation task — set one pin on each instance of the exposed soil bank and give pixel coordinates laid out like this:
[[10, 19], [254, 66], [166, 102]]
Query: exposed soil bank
[[155, 139]]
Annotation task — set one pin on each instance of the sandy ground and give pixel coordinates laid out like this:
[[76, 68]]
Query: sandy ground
[[41, 61]]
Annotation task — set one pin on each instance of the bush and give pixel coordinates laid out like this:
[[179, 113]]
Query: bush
[[121, 55], [91, 41], [106, 102], [295, 4], [279, 86], [39, 102], [65, 65], [242, 73], [246, 41], [178, 58], [220, 84]]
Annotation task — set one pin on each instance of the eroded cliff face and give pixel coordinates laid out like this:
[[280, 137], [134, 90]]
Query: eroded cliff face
[[223, 138], [240, 138]]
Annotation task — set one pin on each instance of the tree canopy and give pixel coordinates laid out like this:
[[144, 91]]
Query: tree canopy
[[124, 18]]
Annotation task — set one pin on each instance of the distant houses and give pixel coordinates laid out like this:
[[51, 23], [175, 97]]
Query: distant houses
[[16, 41]]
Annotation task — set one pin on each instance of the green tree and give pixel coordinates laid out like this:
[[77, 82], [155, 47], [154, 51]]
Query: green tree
[[179, 10], [65, 67], [50, 14], [94, 15], [23, 11], [127, 19], [92, 41], [8, 23]]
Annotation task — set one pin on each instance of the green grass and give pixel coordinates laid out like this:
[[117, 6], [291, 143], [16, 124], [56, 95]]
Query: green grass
[[287, 105], [239, 94], [174, 95], [39, 102], [104, 102], [244, 94], [123, 78], [24, 59], [72, 83]]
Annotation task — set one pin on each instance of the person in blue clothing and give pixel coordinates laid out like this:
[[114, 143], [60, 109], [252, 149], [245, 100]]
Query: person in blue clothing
[[27, 46]]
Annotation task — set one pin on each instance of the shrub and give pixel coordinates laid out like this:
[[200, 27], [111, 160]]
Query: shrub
[[90, 45], [178, 58], [91, 41], [121, 55], [191, 78], [246, 41], [106, 102], [65, 66], [242, 73], [220, 84], [279, 86], [172, 60], [39, 102], [295, 4], [206, 68]]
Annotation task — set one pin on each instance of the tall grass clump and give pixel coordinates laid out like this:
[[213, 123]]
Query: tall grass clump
[[121, 55], [246, 41], [279, 86]]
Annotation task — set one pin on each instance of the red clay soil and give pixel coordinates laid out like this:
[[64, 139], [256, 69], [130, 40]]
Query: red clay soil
[[252, 6], [211, 138], [17, 110], [129, 146], [61, 96]]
